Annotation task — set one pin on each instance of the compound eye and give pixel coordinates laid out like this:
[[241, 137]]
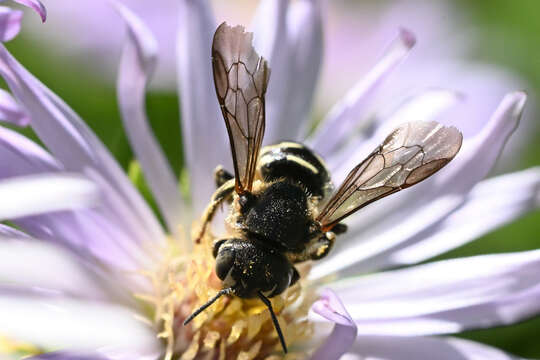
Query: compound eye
[[217, 245], [224, 261]]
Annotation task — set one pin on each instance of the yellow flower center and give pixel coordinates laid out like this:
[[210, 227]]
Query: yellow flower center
[[231, 328], [9, 346]]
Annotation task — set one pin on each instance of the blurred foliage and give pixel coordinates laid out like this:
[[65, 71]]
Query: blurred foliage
[[509, 33]]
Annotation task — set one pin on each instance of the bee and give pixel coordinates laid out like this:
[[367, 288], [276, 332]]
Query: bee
[[283, 208]]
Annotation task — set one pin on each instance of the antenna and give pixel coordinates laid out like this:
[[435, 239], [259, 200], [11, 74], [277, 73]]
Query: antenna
[[268, 304], [207, 304]]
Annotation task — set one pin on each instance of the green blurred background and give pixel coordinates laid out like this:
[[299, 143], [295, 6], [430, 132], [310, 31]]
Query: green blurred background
[[510, 34]]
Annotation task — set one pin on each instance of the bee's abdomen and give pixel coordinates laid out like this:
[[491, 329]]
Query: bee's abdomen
[[296, 162]]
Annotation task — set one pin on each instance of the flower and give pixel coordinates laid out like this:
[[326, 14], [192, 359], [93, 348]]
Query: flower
[[441, 58], [101, 278]]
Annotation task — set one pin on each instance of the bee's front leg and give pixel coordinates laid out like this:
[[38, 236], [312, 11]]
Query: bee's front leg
[[223, 193]]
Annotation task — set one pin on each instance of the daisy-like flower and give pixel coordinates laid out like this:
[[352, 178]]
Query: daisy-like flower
[[88, 272], [355, 34]]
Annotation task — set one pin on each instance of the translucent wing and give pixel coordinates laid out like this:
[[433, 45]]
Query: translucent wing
[[241, 78], [411, 153]]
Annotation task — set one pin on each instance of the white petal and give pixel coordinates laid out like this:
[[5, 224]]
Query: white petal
[[57, 323], [39, 194], [445, 296], [422, 348], [342, 118], [204, 132], [136, 68], [30, 263]]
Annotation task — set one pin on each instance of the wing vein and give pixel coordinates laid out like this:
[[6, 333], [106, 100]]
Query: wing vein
[[410, 154]]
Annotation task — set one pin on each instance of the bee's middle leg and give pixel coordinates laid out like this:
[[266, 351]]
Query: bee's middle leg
[[223, 193], [322, 246]]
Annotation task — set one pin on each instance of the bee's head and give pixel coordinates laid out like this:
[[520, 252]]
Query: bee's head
[[248, 266]]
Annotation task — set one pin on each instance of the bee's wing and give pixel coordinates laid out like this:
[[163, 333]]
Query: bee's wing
[[241, 78], [411, 153]]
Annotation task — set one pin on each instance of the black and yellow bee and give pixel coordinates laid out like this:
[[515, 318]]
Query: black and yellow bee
[[283, 209]]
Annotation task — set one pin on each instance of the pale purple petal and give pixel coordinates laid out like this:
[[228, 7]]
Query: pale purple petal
[[295, 72], [71, 141], [39, 194], [269, 29], [110, 233], [491, 204], [439, 59], [69, 356], [271, 41], [446, 296], [425, 106], [19, 156], [97, 238], [119, 227], [355, 249], [10, 23], [343, 335], [37, 6], [346, 114], [93, 236], [478, 155], [12, 233], [100, 243], [204, 132], [149, 229], [305, 26], [136, 68], [387, 224], [10, 111], [54, 322], [61, 355], [28, 263], [422, 348], [494, 135]]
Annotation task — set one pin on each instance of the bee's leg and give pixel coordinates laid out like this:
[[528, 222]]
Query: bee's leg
[[223, 193], [323, 246], [339, 228], [221, 176]]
